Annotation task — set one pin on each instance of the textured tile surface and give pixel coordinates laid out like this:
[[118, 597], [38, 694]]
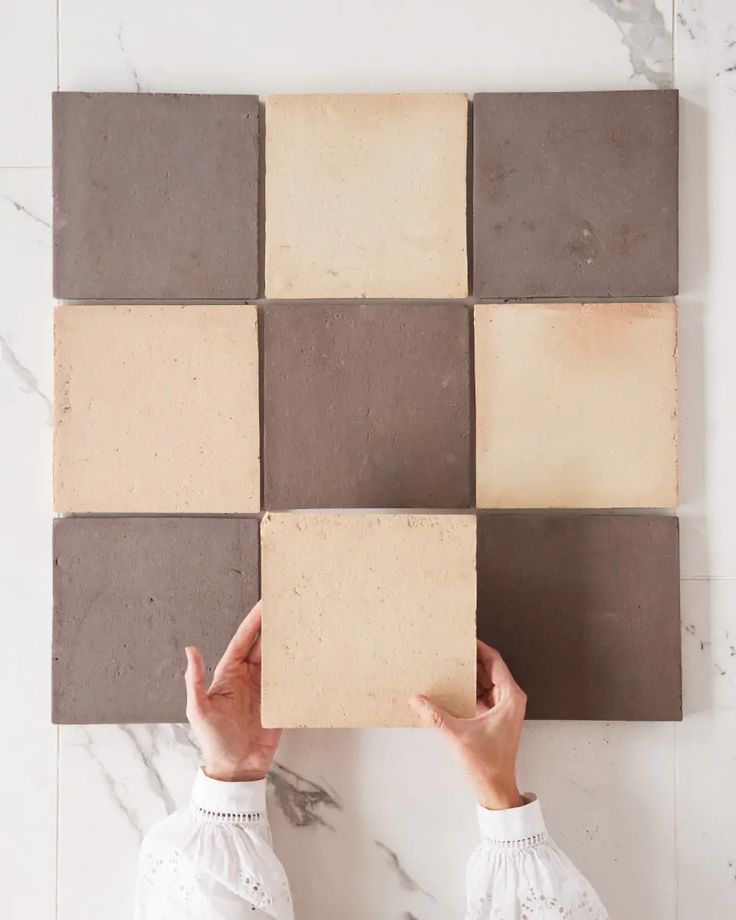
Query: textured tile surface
[[367, 406], [366, 196], [363, 610], [576, 405], [575, 194], [155, 196], [586, 611], [129, 594], [156, 409]]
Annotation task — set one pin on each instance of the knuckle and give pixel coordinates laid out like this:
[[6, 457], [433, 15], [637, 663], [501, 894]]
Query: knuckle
[[437, 719]]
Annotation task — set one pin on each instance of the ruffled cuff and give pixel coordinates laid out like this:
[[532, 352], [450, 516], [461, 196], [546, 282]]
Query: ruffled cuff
[[513, 825], [230, 800]]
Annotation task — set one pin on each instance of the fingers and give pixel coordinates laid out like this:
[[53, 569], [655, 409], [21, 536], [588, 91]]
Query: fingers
[[431, 715], [194, 680], [254, 655], [494, 671], [492, 666], [244, 639]]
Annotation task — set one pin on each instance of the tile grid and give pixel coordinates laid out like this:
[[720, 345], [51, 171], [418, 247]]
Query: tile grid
[[469, 305]]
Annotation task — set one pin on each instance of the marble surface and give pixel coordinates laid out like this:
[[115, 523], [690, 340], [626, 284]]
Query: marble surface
[[378, 819]]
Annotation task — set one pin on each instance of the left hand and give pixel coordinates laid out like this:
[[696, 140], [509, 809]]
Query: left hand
[[226, 719]]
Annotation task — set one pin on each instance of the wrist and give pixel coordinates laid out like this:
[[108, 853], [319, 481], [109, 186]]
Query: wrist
[[498, 794], [233, 773]]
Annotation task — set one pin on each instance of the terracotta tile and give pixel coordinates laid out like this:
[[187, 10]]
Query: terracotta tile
[[366, 196], [575, 194], [156, 409], [585, 609], [129, 594], [155, 196], [367, 406], [360, 611], [576, 405]]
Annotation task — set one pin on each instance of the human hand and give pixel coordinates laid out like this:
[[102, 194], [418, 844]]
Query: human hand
[[487, 744], [226, 719]]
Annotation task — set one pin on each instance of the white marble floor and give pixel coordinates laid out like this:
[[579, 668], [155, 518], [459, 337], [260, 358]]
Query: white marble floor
[[375, 824]]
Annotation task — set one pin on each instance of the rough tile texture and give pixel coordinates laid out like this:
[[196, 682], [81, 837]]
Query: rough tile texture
[[576, 405], [155, 196], [129, 594], [156, 409], [366, 196], [575, 194], [367, 406], [585, 609], [363, 610]]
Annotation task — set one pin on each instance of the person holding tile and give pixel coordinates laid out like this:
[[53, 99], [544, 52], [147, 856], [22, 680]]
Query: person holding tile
[[214, 860]]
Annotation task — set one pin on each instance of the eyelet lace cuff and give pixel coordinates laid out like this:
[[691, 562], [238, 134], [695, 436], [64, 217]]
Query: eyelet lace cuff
[[229, 803], [514, 828]]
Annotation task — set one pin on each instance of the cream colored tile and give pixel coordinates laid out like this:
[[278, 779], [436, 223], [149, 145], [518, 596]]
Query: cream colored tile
[[156, 409], [576, 405], [366, 196], [363, 610]]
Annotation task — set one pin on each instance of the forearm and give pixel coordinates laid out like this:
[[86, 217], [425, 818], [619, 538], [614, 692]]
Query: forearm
[[517, 870], [213, 859]]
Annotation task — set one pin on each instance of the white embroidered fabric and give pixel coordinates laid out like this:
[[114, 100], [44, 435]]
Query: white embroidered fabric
[[518, 873], [214, 861]]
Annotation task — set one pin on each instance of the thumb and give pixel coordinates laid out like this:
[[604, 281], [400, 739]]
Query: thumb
[[432, 715], [194, 680]]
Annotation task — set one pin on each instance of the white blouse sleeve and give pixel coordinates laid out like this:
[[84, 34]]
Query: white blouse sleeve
[[518, 871], [213, 860]]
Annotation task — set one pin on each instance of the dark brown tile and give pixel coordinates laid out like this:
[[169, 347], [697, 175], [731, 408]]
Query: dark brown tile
[[129, 594], [366, 406], [585, 610], [575, 194], [155, 196]]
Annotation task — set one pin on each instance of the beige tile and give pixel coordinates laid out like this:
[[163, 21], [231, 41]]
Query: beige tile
[[366, 196], [363, 610], [576, 405], [156, 409]]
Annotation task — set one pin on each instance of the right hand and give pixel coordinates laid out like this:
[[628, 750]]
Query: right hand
[[487, 744]]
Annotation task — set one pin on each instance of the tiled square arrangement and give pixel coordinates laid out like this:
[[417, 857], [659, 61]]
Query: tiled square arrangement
[[413, 402], [129, 593], [155, 196], [364, 611]]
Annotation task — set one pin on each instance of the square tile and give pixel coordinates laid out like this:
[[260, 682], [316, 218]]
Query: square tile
[[156, 409], [155, 196], [367, 406], [366, 196], [575, 194], [576, 405], [129, 594], [586, 611], [356, 601]]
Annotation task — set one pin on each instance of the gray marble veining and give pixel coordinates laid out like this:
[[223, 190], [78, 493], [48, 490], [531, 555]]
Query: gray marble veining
[[646, 36]]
